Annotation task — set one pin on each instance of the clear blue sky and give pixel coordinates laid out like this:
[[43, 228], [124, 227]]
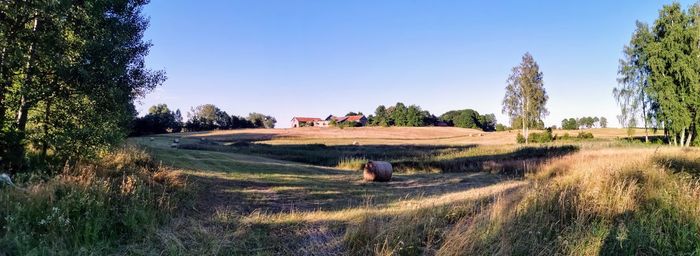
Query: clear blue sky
[[313, 58]]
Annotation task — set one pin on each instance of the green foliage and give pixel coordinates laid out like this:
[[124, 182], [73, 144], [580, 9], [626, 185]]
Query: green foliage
[[569, 124], [501, 127], [603, 122], [158, 120], [92, 207], [69, 74], [660, 75], [400, 115], [537, 137], [525, 100], [586, 122], [262, 121], [469, 118], [209, 117], [381, 117]]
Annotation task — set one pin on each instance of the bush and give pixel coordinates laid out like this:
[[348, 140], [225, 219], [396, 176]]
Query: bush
[[90, 207], [536, 137], [585, 135], [500, 128]]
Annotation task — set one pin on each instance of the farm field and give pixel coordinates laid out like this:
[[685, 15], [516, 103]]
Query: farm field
[[140, 127], [386, 135], [299, 192]]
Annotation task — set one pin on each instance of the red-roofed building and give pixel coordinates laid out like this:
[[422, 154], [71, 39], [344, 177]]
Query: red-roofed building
[[304, 121], [356, 120]]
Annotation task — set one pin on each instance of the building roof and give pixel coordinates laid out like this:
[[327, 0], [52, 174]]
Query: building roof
[[354, 118], [306, 119]]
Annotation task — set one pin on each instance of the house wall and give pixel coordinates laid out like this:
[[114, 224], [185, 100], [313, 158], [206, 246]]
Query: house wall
[[321, 123]]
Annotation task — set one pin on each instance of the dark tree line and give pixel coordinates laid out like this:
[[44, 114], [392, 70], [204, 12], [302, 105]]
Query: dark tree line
[[400, 115], [69, 74], [414, 116], [206, 117], [584, 122], [469, 118]]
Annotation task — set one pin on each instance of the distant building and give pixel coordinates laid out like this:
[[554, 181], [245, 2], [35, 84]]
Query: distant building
[[304, 121], [356, 120]]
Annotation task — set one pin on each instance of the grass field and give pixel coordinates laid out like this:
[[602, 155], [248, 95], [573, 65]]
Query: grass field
[[454, 192]]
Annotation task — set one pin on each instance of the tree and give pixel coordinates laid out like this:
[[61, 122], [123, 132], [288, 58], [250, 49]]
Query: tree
[[398, 114], [674, 72], [569, 124], [203, 118], [178, 120], [158, 120], [415, 116], [381, 117], [525, 94], [69, 74], [359, 113], [487, 122], [261, 121], [603, 122], [634, 71]]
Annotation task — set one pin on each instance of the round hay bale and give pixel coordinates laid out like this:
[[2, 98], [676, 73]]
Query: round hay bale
[[377, 171]]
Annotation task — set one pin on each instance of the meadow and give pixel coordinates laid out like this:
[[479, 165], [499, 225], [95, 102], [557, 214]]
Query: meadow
[[286, 192]]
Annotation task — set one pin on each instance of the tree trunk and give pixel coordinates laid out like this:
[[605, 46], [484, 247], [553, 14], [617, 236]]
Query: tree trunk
[[689, 139], [5, 83], [682, 138], [24, 102], [525, 123], [644, 115], [47, 115], [673, 141], [23, 110]]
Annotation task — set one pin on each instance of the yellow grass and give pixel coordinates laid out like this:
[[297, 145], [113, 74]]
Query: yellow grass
[[608, 198], [386, 135]]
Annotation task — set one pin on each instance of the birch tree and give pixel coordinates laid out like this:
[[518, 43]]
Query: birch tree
[[525, 97]]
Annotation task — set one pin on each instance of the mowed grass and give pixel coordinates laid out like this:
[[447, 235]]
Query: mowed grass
[[248, 202], [387, 135], [604, 197]]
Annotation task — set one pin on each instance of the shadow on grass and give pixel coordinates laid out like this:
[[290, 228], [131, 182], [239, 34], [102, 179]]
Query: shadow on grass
[[404, 158], [653, 139], [679, 164]]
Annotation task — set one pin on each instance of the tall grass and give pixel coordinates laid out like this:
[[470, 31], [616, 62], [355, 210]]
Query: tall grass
[[604, 203], [595, 202], [90, 208], [352, 163]]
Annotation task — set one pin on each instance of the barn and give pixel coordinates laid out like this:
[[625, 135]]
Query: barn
[[304, 121]]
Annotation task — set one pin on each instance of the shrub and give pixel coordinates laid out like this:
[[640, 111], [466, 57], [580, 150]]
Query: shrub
[[536, 137], [501, 127], [585, 135], [90, 207]]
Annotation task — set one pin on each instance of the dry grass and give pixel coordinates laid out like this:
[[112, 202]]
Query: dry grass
[[604, 202], [608, 198], [387, 135]]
